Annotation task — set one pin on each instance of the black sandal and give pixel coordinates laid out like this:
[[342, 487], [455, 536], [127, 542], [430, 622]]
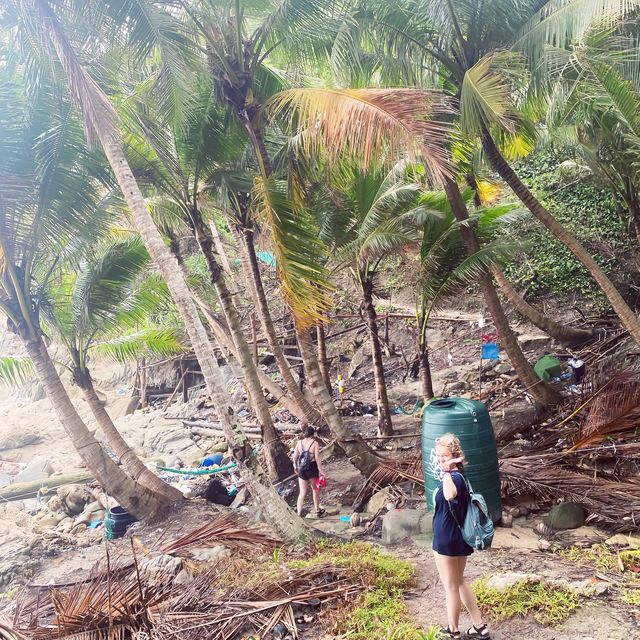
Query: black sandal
[[319, 513], [478, 632], [445, 632]]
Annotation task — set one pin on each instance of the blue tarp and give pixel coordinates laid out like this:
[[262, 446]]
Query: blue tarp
[[490, 351], [267, 258]]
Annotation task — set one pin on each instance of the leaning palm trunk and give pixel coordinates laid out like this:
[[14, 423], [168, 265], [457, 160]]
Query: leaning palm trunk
[[323, 361], [540, 390], [223, 338], [102, 120], [130, 461], [249, 261], [501, 166], [562, 333], [136, 499], [277, 458], [385, 427], [354, 447]]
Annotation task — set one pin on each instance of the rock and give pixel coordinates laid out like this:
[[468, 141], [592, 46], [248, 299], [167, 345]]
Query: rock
[[622, 540], [49, 521], [74, 498], [38, 469], [459, 385], [184, 577], [533, 341], [221, 447], [566, 515], [355, 519], [399, 524], [211, 554], [14, 437], [506, 520], [78, 528], [503, 367], [377, 501], [502, 581], [331, 511], [347, 495], [161, 564], [585, 588], [123, 406], [16, 557]]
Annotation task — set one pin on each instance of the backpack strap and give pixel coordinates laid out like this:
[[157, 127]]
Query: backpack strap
[[453, 513]]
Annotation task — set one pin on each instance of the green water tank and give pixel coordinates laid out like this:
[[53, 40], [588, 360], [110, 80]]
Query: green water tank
[[469, 420]]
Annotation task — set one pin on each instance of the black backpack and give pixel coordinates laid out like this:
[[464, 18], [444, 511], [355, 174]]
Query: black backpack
[[304, 459]]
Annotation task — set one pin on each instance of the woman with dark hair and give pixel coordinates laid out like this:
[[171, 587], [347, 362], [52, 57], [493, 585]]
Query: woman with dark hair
[[307, 464], [449, 548]]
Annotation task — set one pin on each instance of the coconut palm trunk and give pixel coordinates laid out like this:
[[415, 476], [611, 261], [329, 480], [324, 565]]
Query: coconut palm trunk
[[249, 260], [562, 333], [425, 374], [355, 448], [130, 461], [102, 119], [502, 167], [141, 503], [323, 361], [277, 458], [539, 389], [385, 426]]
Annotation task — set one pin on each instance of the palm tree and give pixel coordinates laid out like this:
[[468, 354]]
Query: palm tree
[[237, 59], [178, 163], [461, 44], [376, 215], [444, 269], [102, 124], [396, 122], [49, 212], [86, 307], [595, 100]]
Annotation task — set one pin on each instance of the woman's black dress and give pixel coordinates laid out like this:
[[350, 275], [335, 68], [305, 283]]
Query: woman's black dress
[[447, 538]]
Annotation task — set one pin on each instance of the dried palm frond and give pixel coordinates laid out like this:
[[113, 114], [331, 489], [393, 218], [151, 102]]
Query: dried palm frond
[[611, 405], [391, 124], [614, 505]]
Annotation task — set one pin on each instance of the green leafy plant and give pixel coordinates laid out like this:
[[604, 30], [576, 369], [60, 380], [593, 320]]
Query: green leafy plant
[[548, 605], [380, 612], [601, 556]]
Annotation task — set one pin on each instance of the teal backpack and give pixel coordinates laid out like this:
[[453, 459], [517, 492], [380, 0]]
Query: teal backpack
[[477, 529]]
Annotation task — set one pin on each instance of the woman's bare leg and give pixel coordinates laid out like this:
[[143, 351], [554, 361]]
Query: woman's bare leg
[[450, 577], [302, 494], [467, 596], [316, 494]]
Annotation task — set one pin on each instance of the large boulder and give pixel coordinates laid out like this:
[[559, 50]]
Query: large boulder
[[378, 500], [14, 437], [399, 524], [38, 469], [567, 515]]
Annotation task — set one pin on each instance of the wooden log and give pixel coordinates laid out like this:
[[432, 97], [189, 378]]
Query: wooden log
[[23, 490], [218, 433], [246, 428]]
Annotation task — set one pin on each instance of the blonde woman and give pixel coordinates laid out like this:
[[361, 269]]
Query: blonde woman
[[449, 548]]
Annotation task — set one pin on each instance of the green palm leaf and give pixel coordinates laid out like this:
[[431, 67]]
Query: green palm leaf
[[15, 371]]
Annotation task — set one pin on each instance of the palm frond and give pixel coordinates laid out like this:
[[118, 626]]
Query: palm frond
[[484, 98], [152, 341], [15, 371], [559, 22], [373, 125], [299, 254]]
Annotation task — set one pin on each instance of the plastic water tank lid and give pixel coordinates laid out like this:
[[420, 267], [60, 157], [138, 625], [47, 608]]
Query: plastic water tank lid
[[443, 404]]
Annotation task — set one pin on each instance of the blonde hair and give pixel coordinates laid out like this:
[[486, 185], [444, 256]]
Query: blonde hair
[[452, 443]]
